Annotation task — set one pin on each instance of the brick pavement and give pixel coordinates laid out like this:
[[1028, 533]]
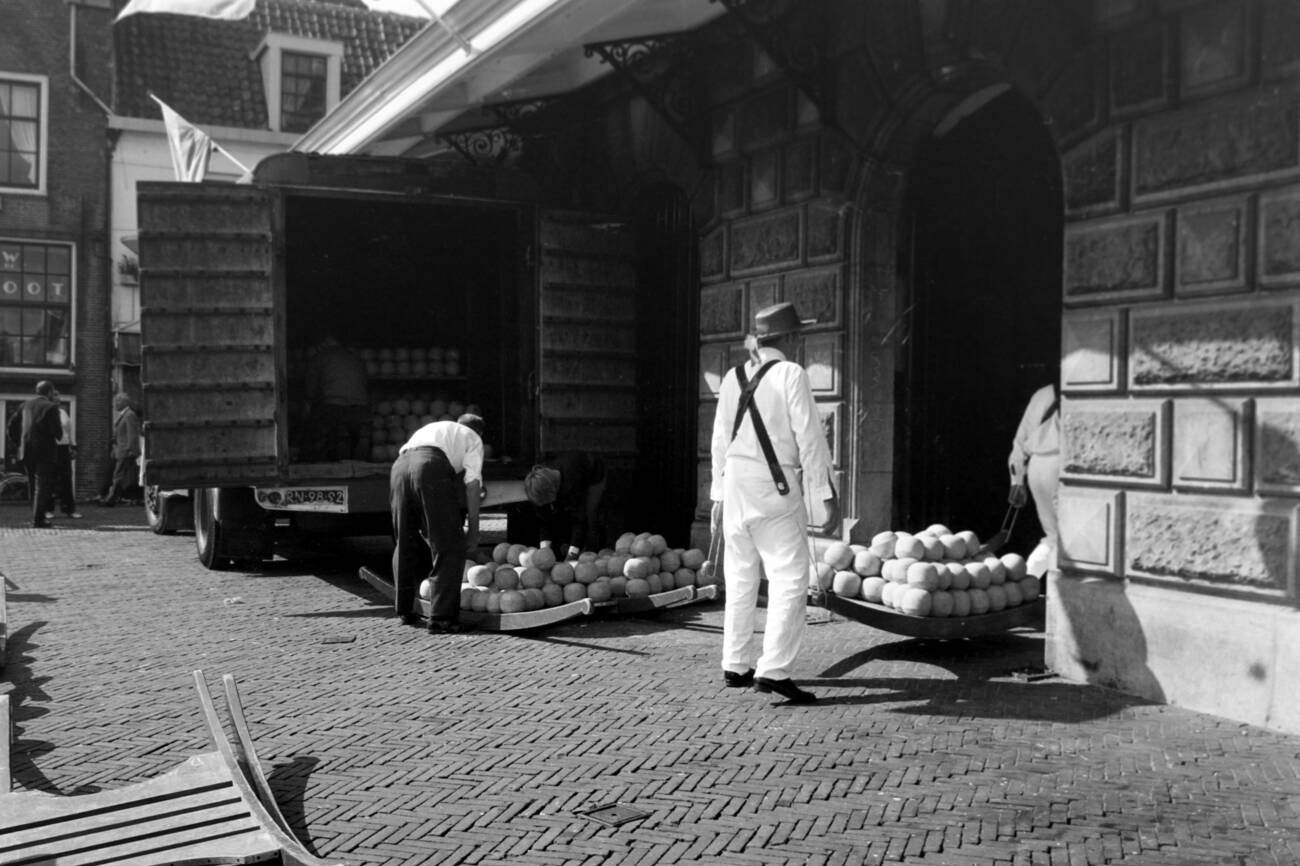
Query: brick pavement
[[394, 747]]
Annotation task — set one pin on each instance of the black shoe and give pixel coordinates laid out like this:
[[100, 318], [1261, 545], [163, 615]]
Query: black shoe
[[733, 680], [786, 689], [437, 626], [410, 619], [43, 525]]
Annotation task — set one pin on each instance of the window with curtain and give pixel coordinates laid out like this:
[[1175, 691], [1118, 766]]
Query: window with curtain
[[35, 304], [20, 133], [302, 90]]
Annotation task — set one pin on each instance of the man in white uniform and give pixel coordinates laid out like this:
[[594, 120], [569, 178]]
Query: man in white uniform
[[1035, 461], [763, 519]]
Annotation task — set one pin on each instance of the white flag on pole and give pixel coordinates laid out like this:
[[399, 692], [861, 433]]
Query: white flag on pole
[[227, 10], [190, 146]]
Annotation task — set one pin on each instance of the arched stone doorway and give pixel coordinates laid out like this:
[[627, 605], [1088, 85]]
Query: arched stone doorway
[[979, 309]]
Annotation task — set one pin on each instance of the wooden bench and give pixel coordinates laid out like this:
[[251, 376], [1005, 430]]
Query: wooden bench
[[215, 807]]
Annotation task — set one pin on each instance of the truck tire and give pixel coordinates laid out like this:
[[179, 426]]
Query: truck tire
[[230, 529], [207, 529]]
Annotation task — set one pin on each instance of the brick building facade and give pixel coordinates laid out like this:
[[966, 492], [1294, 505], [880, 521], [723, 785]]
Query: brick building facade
[[54, 70]]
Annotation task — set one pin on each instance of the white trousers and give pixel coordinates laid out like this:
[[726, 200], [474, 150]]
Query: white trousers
[[1044, 481], [766, 534]]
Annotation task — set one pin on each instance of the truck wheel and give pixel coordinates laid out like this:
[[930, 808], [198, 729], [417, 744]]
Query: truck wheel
[[207, 529]]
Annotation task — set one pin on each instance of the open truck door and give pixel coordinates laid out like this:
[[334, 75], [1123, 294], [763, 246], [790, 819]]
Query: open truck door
[[212, 376], [587, 344]]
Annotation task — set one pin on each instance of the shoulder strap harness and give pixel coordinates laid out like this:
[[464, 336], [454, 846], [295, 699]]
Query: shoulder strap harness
[[747, 404]]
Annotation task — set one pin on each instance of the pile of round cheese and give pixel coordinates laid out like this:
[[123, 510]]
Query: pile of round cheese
[[929, 573], [521, 578]]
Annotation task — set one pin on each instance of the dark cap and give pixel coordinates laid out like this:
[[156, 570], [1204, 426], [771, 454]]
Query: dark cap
[[778, 319]]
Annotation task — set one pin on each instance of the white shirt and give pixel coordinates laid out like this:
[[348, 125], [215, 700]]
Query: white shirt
[[463, 447], [1036, 434], [785, 401], [66, 438]]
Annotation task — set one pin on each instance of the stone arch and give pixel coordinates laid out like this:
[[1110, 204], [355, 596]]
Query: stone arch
[[882, 305]]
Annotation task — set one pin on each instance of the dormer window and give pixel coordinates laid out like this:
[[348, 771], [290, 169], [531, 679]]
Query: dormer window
[[301, 79]]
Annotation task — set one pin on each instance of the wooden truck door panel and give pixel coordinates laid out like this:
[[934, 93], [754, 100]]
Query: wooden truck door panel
[[587, 340], [209, 266]]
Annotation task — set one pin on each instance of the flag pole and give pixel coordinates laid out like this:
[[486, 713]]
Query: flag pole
[[451, 31], [230, 156]]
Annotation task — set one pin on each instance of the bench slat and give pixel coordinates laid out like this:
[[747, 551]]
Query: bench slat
[[197, 775], [172, 817], [243, 841]]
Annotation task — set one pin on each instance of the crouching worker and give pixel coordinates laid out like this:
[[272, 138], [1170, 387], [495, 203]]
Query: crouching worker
[[433, 526], [566, 492]]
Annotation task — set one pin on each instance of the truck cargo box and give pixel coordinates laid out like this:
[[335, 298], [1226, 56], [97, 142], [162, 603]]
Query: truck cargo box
[[453, 302]]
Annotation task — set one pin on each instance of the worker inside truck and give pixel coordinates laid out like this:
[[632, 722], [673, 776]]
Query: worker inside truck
[[338, 404]]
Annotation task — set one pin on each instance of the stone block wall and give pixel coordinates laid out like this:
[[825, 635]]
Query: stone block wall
[[779, 234], [1181, 286]]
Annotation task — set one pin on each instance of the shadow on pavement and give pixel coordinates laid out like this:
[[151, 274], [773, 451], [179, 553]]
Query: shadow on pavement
[[1048, 702], [23, 702], [288, 782], [966, 658]]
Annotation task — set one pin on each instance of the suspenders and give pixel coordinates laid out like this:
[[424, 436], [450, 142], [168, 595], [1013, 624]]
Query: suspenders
[[765, 442]]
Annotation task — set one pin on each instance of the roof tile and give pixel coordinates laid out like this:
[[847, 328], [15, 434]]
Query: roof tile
[[203, 68]]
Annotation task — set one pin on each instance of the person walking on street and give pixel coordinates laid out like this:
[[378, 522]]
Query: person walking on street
[[1035, 463], [767, 442], [67, 452], [429, 516], [41, 429], [126, 451]]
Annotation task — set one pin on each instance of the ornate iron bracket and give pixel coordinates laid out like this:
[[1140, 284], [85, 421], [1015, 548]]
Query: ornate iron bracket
[[797, 44], [528, 116], [490, 145], [661, 70]]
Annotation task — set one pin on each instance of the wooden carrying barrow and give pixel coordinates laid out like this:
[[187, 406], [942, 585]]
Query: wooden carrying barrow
[[545, 616], [1031, 614], [215, 807]]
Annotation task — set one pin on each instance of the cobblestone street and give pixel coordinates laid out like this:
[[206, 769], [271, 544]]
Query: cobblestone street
[[386, 745]]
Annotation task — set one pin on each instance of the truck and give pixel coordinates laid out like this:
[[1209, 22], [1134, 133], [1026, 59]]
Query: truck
[[459, 289]]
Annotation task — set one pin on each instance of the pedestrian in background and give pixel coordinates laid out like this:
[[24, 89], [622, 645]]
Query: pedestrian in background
[[431, 520], [767, 442], [1035, 463], [126, 453], [41, 428], [67, 452]]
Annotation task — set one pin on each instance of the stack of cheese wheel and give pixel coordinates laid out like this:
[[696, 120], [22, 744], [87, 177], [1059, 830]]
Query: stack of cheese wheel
[[934, 572]]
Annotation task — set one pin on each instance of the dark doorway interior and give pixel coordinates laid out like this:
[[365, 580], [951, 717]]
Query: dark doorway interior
[[667, 363], [983, 262]]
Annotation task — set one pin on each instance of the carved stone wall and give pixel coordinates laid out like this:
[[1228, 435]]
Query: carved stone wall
[[779, 236], [1181, 282]]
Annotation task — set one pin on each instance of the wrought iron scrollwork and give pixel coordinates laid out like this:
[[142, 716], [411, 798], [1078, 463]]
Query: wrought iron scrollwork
[[661, 69], [795, 42], [485, 146]]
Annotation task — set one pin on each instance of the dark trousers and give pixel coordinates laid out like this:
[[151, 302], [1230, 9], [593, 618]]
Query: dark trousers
[[124, 485], [44, 476], [63, 484], [428, 532]]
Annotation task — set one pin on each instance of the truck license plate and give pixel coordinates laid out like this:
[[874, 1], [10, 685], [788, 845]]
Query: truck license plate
[[330, 499]]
